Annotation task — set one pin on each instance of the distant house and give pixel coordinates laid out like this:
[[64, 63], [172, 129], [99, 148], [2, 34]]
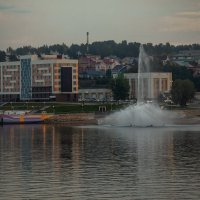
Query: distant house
[[92, 65], [110, 63], [88, 63], [119, 69], [100, 66], [188, 58], [183, 58], [129, 60], [92, 74]]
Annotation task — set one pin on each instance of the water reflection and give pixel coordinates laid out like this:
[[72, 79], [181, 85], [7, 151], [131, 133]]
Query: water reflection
[[58, 162]]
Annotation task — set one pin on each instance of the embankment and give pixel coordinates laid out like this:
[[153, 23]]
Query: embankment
[[189, 116], [73, 119]]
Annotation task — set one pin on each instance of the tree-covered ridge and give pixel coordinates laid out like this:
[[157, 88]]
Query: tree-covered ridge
[[103, 48]]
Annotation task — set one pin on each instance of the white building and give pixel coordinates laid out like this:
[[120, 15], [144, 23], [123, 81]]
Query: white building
[[95, 94], [153, 84]]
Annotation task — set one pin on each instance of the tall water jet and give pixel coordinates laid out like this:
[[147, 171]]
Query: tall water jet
[[143, 67]]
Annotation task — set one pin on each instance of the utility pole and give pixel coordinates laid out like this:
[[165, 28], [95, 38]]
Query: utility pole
[[87, 42]]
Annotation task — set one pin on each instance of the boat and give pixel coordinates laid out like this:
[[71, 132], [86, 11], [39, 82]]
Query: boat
[[22, 119]]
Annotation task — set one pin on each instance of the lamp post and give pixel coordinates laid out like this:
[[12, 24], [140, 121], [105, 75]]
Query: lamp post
[[82, 105], [53, 109]]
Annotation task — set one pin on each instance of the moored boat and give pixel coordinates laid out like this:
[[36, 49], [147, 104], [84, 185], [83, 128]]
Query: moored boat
[[22, 119]]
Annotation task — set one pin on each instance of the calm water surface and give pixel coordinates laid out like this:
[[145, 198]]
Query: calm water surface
[[58, 162]]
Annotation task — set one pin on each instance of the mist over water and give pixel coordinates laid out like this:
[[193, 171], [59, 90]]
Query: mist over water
[[142, 114]]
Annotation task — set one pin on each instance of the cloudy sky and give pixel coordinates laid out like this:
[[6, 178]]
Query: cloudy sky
[[38, 22]]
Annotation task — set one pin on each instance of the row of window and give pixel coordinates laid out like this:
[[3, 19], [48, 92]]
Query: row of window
[[10, 66], [40, 77], [42, 84], [13, 73], [6, 78], [41, 65], [11, 90], [36, 71]]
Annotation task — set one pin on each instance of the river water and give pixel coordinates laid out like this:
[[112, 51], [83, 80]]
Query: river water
[[83, 163]]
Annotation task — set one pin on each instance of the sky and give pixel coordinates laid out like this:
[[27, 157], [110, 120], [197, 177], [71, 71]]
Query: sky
[[39, 22]]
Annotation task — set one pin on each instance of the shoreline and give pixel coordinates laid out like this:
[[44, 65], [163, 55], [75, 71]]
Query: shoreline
[[76, 119], [187, 117]]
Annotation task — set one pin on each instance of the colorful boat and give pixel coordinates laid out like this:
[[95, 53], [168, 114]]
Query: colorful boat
[[22, 119]]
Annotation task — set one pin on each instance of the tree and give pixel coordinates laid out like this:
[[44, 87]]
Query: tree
[[2, 56], [182, 91], [120, 88], [13, 58], [178, 72]]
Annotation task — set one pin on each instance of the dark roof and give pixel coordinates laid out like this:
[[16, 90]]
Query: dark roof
[[119, 68]]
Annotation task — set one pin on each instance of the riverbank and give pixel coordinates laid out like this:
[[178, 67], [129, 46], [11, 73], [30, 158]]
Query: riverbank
[[189, 116], [73, 119]]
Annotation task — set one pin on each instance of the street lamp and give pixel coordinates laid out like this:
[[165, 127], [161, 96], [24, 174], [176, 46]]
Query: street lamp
[[82, 105], [53, 109]]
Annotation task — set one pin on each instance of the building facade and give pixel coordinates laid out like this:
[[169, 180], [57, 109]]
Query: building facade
[[39, 78], [97, 94], [152, 84]]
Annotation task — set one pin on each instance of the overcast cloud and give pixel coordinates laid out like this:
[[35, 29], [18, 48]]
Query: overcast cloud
[[38, 22]]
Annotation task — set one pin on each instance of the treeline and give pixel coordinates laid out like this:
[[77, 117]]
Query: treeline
[[104, 48]]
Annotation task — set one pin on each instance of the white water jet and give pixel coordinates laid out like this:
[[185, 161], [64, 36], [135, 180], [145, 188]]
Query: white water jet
[[143, 114], [143, 67]]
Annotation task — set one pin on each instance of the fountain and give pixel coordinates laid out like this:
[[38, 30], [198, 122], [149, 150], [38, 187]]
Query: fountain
[[142, 114], [144, 66]]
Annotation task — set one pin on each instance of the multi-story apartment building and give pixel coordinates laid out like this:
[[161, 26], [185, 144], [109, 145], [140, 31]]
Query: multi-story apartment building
[[39, 78]]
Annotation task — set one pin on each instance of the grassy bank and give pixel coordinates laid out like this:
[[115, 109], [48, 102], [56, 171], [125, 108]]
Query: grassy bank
[[78, 107], [61, 108]]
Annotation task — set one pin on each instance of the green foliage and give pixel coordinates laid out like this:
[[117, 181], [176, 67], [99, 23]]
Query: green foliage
[[120, 88], [109, 73], [86, 83], [181, 72], [182, 91], [178, 72], [77, 108], [105, 48], [2, 56], [13, 58], [196, 81]]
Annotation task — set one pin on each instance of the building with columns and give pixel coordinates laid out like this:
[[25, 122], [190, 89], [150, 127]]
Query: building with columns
[[152, 84], [39, 78]]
